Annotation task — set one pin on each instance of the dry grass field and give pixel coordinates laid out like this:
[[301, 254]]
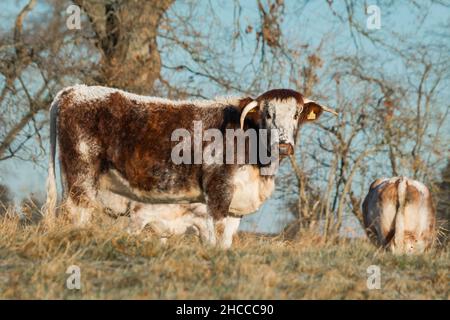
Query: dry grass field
[[34, 259]]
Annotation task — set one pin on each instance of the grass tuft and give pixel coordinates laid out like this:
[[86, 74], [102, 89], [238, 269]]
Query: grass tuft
[[114, 265]]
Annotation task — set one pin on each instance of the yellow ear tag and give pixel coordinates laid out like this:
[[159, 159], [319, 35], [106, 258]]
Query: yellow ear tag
[[311, 116], [252, 111]]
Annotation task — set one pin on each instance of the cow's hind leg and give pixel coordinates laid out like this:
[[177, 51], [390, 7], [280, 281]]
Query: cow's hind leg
[[80, 213], [230, 227], [82, 201], [81, 165]]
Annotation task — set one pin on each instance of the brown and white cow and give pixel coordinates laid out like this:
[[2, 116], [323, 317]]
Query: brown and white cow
[[116, 146], [399, 215]]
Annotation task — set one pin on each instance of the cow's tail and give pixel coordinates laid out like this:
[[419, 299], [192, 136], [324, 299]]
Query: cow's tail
[[52, 193], [400, 215]]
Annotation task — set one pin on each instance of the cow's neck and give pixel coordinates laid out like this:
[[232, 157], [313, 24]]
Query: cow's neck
[[251, 189]]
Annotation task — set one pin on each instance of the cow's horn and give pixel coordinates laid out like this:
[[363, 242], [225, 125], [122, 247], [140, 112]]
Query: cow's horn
[[305, 101], [246, 110]]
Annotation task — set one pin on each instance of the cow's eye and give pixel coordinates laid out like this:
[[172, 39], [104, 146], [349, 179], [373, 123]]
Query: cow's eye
[[296, 116], [269, 116]]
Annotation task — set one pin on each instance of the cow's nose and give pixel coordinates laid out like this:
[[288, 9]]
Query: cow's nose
[[283, 137], [286, 149]]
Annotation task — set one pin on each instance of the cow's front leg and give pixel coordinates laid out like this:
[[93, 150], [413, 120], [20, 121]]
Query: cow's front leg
[[230, 227], [208, 234], [81, 202], [81, 166], [218, 194]]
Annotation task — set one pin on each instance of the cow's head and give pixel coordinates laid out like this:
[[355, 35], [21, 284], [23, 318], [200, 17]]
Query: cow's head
[[284, 110]]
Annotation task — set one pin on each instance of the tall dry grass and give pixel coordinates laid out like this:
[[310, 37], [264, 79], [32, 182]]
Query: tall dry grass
[[34, 257]]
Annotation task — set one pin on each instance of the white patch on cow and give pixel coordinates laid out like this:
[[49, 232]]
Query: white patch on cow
[[167, 220], [250, 190], [170, 219], [413, 214], [86, 182], [231, 225], [87, 149], [83, 149], [208, 234], [80, 215], [114, 202], [82, 93], [389, 210], [419, 186], [282, 114], [85, 215]]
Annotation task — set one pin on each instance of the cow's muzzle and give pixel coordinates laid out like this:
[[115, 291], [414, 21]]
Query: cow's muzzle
[[286, 149]]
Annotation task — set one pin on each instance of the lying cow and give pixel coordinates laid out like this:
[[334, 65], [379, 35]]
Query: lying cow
[[116, 145], [399, 215], [168, 220]]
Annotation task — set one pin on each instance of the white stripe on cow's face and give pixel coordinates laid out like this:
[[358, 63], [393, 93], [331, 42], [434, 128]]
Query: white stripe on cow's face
[[283, 116]]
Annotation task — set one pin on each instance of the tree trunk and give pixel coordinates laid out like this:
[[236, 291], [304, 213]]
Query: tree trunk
[[125, 34]]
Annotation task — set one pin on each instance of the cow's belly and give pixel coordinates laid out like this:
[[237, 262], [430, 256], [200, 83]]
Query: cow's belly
[[250, 190], [112, 181], [170, 219]]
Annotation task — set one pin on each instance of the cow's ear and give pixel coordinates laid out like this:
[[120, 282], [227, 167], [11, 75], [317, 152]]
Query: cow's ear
[[311, 112], [253, 114]]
